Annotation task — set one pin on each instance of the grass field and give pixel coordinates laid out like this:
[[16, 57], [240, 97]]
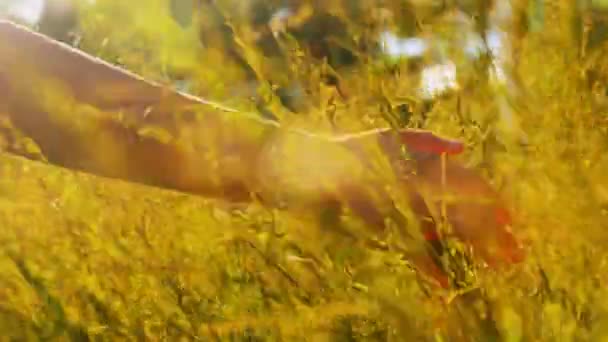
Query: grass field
[[89, 258]]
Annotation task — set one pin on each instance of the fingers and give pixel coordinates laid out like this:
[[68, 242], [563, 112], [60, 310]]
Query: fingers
[[426, 141], [419, 144]]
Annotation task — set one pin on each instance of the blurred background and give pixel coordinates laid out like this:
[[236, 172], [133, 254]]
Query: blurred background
[[269, 48]]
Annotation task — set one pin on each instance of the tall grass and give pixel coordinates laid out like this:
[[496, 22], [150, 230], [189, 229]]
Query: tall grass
[[89, 258]]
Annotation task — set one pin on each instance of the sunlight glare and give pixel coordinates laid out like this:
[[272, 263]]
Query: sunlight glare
[[29, 11]]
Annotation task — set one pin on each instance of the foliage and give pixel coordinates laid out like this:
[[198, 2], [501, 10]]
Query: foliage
[[90, 258]]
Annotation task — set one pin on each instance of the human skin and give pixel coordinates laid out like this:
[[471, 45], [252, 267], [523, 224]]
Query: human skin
[[87, 115]]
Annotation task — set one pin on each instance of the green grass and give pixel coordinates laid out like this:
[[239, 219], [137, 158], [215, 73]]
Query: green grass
[[84, 257]]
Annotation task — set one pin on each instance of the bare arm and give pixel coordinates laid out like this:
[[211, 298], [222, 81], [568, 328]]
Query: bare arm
[[87, 115]]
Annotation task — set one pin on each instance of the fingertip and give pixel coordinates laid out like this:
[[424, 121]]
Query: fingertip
[[426, 141]]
